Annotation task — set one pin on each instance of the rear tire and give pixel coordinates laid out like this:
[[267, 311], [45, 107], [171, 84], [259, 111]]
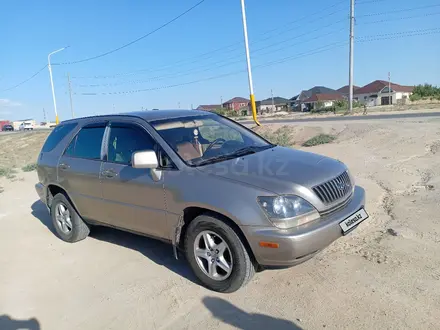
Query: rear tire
[[67, 222], [242, 268]]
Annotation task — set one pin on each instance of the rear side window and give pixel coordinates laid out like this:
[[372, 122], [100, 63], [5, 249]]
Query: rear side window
[[57, 135], [87, 144]]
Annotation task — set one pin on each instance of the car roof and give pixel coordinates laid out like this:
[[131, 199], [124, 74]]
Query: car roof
[[151, 115]]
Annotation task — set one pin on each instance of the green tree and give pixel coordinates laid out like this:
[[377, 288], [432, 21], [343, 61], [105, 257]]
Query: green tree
[[425, 91]]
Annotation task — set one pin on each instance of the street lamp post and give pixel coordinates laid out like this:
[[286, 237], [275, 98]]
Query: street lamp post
[[51, 83], [248, 59]]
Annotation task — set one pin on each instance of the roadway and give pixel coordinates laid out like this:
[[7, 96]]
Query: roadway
[[345, 118]]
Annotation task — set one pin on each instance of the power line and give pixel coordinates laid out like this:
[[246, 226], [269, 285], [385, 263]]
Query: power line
[[299, 36], [322, 49], [289, 58], [136, 40], [235, 45], [24, 81], [308, 22], [368, 1], [237, 56], [397, 11], [428, 31], [399, 36], [398, 18], [210, 66]]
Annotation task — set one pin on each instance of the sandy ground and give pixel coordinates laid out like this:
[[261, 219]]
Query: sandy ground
[[384, 275]]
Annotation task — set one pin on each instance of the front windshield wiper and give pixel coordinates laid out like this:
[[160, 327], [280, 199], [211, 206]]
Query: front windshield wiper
[[238, 153], [251, 149]]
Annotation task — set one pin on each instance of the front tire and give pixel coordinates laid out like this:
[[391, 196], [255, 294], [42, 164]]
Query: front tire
[[67, 222], [217, 255]]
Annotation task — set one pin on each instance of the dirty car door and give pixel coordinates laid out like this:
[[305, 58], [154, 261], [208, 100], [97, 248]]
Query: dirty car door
[[134, 200], [79, 168]]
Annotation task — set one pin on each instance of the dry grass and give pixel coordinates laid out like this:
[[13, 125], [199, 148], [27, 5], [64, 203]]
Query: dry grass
[[281, 136], [21, 149]]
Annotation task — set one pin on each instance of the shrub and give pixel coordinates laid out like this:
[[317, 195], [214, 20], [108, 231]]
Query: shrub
[[319, 139], [279, 137], [415, 97], [29, 167], [8, 173]]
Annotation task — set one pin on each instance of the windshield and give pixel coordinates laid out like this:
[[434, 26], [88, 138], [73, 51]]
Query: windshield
[[201, 140]]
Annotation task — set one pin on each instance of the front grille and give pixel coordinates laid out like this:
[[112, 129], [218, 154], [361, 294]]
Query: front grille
[[335, 189]]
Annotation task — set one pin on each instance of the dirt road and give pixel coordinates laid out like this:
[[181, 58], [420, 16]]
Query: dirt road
[[385, 274]]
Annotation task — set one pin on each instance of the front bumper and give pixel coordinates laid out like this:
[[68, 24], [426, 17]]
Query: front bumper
[[299, 244]]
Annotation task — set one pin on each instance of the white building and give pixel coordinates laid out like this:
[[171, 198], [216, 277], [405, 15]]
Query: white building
[[377, 93]]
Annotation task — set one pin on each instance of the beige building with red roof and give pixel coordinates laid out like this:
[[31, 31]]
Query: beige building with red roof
[[377, 93]]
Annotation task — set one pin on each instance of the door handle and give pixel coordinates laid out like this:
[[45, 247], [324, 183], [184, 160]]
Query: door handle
[[109, 174], [64, 166]]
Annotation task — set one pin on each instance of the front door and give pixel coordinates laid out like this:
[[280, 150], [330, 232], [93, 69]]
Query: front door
[[134, 200], [79, 168]]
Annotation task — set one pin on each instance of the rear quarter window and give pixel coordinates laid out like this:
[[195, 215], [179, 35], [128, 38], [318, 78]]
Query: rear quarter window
[[57, 135]]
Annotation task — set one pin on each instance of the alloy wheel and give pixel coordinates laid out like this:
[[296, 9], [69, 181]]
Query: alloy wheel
[[62, 216], [213, 255]]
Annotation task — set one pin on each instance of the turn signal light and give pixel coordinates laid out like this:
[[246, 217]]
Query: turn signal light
[[270, 245]]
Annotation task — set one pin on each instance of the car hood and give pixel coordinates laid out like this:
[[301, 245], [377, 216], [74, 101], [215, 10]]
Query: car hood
[[279, 170]]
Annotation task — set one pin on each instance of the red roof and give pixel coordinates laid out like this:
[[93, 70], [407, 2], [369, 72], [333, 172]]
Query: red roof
[[346, 89], [238, 100], [324, 97], [377, 85]]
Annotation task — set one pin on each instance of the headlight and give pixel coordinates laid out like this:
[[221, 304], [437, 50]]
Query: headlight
[[287, 211]]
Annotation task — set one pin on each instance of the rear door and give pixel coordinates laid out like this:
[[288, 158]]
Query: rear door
[[133, 199], [79, 168]]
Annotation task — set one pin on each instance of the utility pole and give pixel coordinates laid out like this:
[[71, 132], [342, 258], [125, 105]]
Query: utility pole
[[351, 58], [390, 97], [178, 104], [44, 115], [273, 103], [249, 68], [70, 95], [221, 102], [113, 107]]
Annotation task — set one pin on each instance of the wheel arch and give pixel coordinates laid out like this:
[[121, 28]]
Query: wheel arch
[[192, 212], [53, 190]]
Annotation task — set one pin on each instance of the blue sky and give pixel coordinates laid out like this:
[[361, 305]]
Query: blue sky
[[308, 39]]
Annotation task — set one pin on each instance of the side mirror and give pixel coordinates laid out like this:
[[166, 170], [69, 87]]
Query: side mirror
[[144, 159]]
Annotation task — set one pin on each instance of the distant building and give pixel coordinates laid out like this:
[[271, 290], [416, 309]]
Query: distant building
[[322, 101], [209, 107], [297, 103], [238, 104], [17, 123], [377, 93], [269, 105]]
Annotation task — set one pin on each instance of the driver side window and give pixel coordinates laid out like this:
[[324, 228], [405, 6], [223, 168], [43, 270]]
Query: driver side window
[[124, 140]]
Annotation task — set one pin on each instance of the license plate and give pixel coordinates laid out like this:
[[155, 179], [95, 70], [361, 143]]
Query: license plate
[[353, 220]]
